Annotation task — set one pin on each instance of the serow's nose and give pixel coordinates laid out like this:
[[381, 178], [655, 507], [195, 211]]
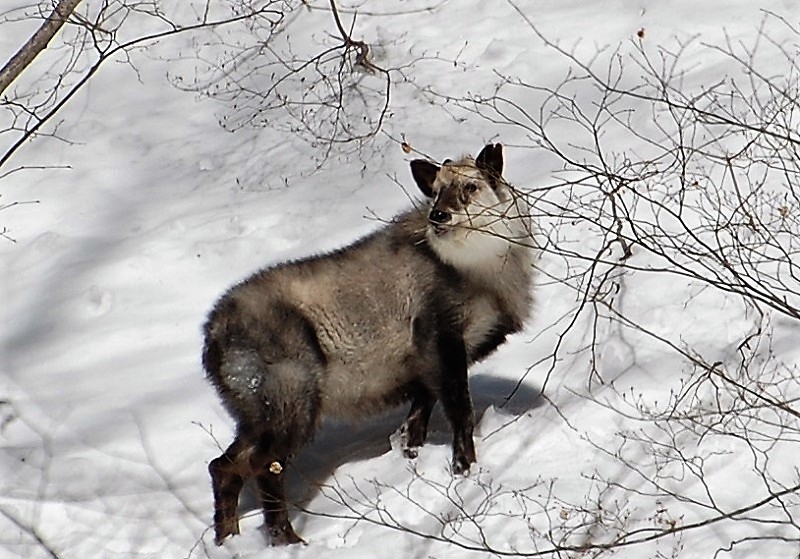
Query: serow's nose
[[439, 217]]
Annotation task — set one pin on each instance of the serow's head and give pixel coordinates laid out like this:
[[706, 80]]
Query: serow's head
[[470, 204]]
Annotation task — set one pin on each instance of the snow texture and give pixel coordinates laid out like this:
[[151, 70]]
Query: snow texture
[[106, 421]]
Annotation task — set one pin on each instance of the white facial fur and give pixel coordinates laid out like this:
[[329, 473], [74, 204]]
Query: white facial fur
[[484, 223]]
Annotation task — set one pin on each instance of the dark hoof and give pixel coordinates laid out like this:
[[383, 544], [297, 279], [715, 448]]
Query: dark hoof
[[283, 535], [224, 529], [461, 466], [463, 460], [411, 438], [410, 452]]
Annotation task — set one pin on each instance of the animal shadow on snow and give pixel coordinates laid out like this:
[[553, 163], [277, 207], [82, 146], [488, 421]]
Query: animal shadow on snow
[[340, 443]]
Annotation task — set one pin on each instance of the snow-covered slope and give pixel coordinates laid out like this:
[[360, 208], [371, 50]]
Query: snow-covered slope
[[106, 421]]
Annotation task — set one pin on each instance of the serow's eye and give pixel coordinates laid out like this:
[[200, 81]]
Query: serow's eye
[[470, 188]]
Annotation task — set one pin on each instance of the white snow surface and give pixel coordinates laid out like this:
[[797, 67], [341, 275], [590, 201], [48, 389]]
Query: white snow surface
[[108, 423]]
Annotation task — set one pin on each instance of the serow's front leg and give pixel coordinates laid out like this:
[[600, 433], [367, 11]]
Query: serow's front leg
[[454, 393], [414, 429]]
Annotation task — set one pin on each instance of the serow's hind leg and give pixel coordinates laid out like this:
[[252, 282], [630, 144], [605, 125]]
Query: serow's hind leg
[[273, 501], [272, 459], [227, 480]]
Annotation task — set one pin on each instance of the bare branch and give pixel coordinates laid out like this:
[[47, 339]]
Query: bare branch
[[37, 43]]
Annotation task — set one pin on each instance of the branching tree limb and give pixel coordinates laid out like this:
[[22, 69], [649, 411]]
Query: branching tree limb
[[37, 43]]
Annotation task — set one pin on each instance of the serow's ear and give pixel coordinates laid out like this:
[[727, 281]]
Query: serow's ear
[[490, 160], [424, 173]]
